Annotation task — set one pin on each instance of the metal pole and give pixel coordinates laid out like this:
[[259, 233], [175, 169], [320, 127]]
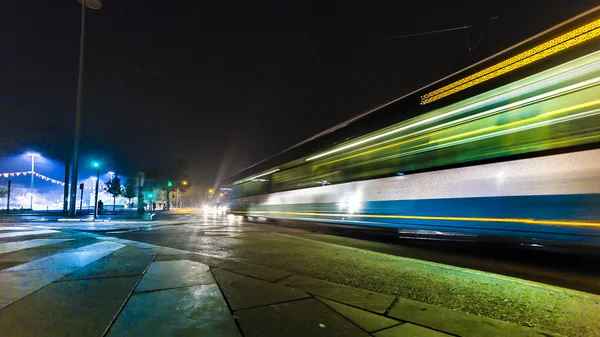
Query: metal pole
[[96, 196], [31, 187], [178, 204], [140, 208], [81, 200], [66, 187], [8, 198], [73, 199]]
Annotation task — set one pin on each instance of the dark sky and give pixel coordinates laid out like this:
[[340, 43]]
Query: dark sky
[[228, 83]]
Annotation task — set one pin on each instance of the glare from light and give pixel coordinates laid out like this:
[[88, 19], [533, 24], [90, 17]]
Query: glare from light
[[352, 204], [214, 210]]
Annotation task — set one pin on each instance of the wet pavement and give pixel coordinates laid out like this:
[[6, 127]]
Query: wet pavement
[[221, 276]]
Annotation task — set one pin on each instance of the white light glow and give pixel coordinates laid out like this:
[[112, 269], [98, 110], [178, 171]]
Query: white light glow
[[352, 204]]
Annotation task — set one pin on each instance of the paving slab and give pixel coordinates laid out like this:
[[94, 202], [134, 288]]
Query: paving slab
[[15, 246], [456, 322], [355, 297], [307, 317], [174, 274], [190, 311], [112, 266], [30, 254], [74, 308], [209, 260], [245, 292], [367, 320], [259, 272], [133, 251], [171, 251], [68, 260], [18, 284], [409, 330]]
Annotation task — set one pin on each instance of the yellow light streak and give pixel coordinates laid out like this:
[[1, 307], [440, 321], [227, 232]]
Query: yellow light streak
[[530, 100], [470, 133], [565, 41], [443, 218], [385, 147]]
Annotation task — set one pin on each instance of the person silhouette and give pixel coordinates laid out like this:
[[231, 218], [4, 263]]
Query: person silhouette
[[100, 206]]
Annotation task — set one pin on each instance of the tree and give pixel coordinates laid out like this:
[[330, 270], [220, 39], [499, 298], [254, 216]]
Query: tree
[[130, 189], [174, 171], [113, 187], [3, 192]]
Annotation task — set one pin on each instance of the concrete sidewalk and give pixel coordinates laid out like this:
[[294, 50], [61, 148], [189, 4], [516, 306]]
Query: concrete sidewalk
[[84, 284]]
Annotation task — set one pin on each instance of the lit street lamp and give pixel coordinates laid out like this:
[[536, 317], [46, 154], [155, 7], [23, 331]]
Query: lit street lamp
[[179, 204], [93, 4], [208, 193], [32, 155]]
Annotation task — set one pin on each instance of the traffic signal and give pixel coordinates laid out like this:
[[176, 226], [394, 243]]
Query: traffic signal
[[149, 195], [169, 183]]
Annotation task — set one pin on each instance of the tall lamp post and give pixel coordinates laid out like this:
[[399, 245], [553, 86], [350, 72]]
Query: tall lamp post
[[32, 155], [97, 166], [208, 194], [93, 4], [184, 183]]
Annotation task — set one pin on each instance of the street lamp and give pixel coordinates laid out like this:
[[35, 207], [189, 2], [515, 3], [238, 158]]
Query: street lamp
[[97, 166], [184, 183], [111, 174], [32, 155], [93, 4]]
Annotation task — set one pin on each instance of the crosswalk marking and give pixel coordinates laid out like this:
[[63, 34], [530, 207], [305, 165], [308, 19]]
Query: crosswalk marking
[[25, 233], [15, 246], [15, 228]]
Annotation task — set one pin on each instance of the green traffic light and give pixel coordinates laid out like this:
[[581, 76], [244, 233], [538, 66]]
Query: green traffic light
[[95, 164], [169, 183], [150, 195]]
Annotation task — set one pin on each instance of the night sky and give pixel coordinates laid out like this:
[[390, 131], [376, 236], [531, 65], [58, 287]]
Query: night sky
[[228, 83]]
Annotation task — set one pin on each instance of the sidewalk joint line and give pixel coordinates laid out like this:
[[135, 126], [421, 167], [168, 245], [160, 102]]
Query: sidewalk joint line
[[387, 310], [281, 278], [231, 312], [171, 288], [97, 278], [339, 314], [114, 319], [389, 327], [308, 297]]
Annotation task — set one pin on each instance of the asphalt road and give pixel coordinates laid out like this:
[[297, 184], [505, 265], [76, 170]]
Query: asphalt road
[[553, 290]]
